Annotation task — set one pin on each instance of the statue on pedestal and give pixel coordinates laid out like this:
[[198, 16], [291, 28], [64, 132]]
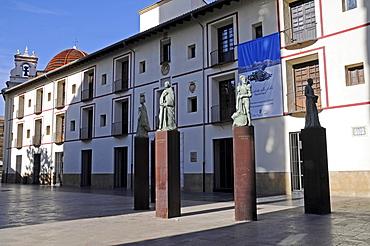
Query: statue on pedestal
[[242, 116], [167, 109], [143, 126], [312, 117]]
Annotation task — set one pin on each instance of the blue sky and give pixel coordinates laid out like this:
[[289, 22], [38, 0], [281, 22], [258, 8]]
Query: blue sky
[[50, 26]]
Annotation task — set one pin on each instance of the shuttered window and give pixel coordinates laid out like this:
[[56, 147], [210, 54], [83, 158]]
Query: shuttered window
[[355, 75], [302, 72], [303, 20]]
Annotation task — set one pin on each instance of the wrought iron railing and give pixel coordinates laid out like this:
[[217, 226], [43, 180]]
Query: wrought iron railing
[[86, 133], [119, 128], [120, 85], [219, 114]]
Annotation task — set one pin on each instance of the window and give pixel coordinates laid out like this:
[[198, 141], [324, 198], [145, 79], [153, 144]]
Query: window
[[36, 141], [355, 74], [224, 51], [121, 81], [226, 99], [73, 88], [303, 21], [87, 86], [19, 140], [104, 79], [39, 101], [29, 103], [165, 50], [120, 118], [191, 51], [301, 72], [59, 129], [20, 111], [61, 94], [28, 133], [142, 67], [103, 120], [48, 130], [192, 104], [257, 30], [86, 131], [72, 126], [349, 4], [49, 96]]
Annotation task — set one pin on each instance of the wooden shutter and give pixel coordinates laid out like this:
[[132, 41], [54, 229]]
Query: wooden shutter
[[302, 72], [303, 20]]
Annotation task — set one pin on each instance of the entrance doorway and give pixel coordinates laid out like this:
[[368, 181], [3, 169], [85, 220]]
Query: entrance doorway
[[223, 165], [120, 167], [296, 161], [86, 167], [58, 168], [36, 168], [18, 169]]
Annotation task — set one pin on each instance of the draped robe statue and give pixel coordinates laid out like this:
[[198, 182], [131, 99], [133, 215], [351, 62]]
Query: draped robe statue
[[242, 116], [167, 109], [312, 117], [143, 126]]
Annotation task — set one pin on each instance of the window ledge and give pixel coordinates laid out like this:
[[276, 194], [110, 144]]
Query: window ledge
[[301, 44], [301, 113]]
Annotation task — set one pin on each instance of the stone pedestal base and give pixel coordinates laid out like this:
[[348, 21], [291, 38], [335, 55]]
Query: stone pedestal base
[[167, 148], [315, 171], [244, 173], [141, 180]]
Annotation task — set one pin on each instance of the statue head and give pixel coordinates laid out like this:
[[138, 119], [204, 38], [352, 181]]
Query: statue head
[[310, 81], [243, 79], [167, 84], [142, 98]]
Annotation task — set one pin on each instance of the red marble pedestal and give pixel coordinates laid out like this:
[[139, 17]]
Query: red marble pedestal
[[167, 157], [141, 180], [244, 173]]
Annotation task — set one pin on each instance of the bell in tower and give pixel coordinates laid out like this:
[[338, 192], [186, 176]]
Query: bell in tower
[[25, 67]]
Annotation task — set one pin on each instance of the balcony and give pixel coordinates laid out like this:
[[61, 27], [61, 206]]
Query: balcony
[[220, 115], [218, 57], [36, 140], [300, 37], [20, 113], [87, 94], [59, 138], [18, 143], [120, 85], [59, 102], [38, 108], [86, 133], [119, 128]]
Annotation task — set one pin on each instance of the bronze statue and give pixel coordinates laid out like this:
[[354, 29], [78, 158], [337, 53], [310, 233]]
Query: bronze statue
[[312, 117]]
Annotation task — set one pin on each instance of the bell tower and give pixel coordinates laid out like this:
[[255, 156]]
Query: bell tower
[[25, 66]]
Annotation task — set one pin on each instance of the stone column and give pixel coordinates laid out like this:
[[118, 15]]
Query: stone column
[[168, 197], [244, 173], [141, 180], [315, 171]]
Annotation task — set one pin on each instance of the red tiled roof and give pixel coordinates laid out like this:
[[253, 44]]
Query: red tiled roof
[[64, 58]]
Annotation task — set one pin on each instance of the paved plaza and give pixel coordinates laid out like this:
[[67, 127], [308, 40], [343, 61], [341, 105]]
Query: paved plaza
[[44, 215]]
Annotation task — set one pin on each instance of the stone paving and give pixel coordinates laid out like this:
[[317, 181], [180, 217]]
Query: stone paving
[[43, 215]]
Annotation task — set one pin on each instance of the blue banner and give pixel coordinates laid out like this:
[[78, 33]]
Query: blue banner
[[260, 61]]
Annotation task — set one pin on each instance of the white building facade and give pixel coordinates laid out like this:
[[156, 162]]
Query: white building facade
[[83, 134]]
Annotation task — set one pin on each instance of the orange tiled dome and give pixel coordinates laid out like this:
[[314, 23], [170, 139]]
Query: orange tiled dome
[[65, 57]]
